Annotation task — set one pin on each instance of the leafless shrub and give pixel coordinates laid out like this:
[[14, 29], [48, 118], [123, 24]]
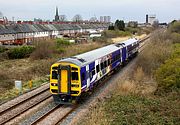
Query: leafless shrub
[[139, 75], [158, 50], [5, 81], [175, 37], [3, 56], [44, 49], [127, 87]]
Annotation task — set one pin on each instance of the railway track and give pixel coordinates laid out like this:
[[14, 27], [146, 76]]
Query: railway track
[[12, 111], [55, 116]]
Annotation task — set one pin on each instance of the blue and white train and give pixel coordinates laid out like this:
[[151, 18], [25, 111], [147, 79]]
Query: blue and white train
[[70, 77]]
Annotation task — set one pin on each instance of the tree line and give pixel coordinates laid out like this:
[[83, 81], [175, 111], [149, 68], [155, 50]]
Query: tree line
[[119, 25]]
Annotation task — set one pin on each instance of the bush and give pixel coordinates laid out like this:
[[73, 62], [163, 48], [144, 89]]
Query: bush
[[175, 27], [100, 39], [40, 69], [5, 80], [20, 52], [168, 74], [3, 56], [159, 50], [132, 30], [2, 49], [62, 42], [175, 37], [115, 33], [43, 50]]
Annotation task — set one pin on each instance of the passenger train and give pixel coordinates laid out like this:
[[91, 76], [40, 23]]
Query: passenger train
[[71, 77]]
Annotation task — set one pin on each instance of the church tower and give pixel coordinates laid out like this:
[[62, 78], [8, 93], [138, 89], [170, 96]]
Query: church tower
[[57, 15]]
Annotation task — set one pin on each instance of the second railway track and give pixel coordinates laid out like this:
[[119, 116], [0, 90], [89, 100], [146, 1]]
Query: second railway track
[[9, 112], [55, 115]]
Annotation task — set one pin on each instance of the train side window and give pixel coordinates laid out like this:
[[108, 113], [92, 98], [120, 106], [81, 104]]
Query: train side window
[[114, 59], [83, 77], [97, 68], [93, 72], [105, 64], [118, 57], [102, 66], [109, 62]]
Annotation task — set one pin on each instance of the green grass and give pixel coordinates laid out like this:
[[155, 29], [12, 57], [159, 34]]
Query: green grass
[[11, 93], [137, 109], [132, 109]]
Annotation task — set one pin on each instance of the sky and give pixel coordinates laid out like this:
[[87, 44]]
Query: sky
[[127, 10]]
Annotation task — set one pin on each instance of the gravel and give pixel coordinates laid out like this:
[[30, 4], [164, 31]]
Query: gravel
[[22, 97], [38, 114]]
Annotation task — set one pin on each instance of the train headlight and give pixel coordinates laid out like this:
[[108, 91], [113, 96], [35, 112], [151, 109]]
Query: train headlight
[[53, 84]]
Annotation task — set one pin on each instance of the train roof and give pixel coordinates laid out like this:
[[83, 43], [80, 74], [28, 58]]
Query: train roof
[[129, 41], [91, 56]]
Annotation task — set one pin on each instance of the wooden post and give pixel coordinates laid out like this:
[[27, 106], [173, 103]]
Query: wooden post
[[30, 84]]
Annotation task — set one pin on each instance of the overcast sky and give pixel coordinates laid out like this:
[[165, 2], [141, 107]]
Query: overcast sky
[[165, 10]]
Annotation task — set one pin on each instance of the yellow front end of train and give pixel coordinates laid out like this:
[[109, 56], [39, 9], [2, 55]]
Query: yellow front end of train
[[65, 82]]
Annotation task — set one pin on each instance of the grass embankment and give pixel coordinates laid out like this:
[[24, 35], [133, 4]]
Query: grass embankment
[[149, 95]]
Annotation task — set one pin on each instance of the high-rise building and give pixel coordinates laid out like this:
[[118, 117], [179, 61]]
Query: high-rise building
[[151, 19], [147, 19], [101, 19], [105, 19], [57, 15]]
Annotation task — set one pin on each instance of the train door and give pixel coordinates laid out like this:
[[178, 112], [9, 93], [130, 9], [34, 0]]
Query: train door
[[64, 79], [124, 54], [87, 76]]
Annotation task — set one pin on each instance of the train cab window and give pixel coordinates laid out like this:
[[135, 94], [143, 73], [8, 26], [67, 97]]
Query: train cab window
[[97, 68], [73, 68], [74, 75], [109, 62], [54, 75]]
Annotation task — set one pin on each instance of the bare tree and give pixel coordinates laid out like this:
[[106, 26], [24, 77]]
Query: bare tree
[[155, 24], [93, 19], [62, 18], [77, 18]]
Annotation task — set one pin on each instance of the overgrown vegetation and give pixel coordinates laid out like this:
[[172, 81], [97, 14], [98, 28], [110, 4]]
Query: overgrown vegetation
[[44, 50], [150, 95], [20, 52], [115, 33], [168, 74], [2, 49], [136, 109]]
